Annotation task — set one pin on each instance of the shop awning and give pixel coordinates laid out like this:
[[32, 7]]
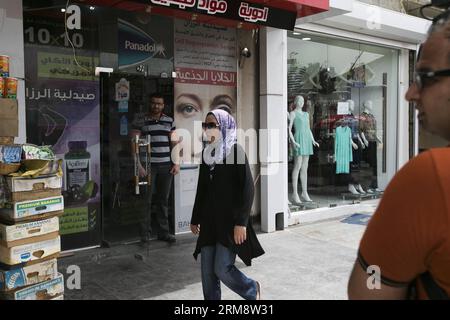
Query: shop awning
[[249, 14]]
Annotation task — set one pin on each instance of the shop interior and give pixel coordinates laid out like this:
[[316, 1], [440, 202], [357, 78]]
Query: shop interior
[[347, 90]]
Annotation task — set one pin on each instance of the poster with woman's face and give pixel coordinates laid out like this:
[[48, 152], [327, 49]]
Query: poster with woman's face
[[206, 66]]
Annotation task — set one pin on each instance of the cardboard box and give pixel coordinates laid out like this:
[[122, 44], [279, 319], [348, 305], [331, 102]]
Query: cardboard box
[[9, 118], [24, 210], [7, 267], [22, 189], [26, 276], [28, 232], [47, 290], [30, 252]]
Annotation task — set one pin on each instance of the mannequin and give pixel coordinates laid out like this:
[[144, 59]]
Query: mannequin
[[354, 125], [353, 122], [303, 142], [289, 148], [371, 141]]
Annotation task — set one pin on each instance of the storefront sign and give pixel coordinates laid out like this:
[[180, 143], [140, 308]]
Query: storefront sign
[[145, 47], [136, 46], [206, 68], [235, 10], [205, 54], [63, 110]]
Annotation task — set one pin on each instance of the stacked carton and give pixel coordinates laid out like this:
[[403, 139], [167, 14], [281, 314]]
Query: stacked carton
[[30, 207]]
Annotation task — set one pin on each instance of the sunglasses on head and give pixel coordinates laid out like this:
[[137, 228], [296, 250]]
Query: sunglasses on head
[[210, 125]]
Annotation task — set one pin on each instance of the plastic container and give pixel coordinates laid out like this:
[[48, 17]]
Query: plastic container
[[77, 165]]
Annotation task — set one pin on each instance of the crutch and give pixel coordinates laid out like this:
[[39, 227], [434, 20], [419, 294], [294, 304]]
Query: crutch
[[138, 143]]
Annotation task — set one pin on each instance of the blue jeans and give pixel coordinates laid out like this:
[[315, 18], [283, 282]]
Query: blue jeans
[[218, 265]]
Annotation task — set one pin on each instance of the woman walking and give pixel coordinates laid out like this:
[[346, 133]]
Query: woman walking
[[221, 211]]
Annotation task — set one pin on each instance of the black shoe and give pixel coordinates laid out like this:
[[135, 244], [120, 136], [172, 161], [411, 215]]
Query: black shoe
[[168, 238]]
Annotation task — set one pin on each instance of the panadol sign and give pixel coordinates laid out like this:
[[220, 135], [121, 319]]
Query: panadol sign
[[136, 46], [148, 47]]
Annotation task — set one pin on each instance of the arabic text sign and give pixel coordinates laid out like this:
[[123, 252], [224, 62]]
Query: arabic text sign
[[74, 220], [235, 10], [55, 94], [62, 66], [202, 76], [204, 47]]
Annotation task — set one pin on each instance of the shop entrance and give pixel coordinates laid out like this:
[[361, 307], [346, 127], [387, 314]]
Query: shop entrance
[[124, 99]]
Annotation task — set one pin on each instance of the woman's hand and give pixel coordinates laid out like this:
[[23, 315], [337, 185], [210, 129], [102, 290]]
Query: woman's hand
[[195, 228], [240, 234]]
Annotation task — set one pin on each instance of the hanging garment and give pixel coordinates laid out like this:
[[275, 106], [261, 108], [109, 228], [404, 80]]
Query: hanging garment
[[343, 149], [369, 126], [303, 134]]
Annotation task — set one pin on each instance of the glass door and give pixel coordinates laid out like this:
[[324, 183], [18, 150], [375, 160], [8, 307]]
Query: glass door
[[125, 98]]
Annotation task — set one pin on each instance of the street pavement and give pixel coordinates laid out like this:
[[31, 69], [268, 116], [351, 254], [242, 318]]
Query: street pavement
[[304, 262]]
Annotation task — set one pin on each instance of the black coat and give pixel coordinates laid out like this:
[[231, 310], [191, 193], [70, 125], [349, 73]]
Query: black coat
[[223, 202]]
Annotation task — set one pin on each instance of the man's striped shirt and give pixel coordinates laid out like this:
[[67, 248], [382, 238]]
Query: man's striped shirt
[[159, 131]]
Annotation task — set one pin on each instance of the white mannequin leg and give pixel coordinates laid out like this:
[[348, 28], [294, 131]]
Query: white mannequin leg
[[304, 178], [295, 173], [352, 189], [360, 189]]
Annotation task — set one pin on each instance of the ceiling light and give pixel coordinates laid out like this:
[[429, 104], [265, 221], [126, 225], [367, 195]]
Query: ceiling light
[[296, 33], [91, 8], [306, 39], [63, 10]]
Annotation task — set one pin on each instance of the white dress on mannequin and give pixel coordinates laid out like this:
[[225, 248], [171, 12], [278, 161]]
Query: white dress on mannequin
[[300, 161]]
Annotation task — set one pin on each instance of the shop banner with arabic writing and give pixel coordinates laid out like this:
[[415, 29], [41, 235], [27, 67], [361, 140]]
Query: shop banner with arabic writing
[[206, 67], [63, 111], [233, 9]]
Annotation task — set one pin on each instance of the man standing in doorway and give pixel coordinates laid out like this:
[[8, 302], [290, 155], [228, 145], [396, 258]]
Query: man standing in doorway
[[161, 129]]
